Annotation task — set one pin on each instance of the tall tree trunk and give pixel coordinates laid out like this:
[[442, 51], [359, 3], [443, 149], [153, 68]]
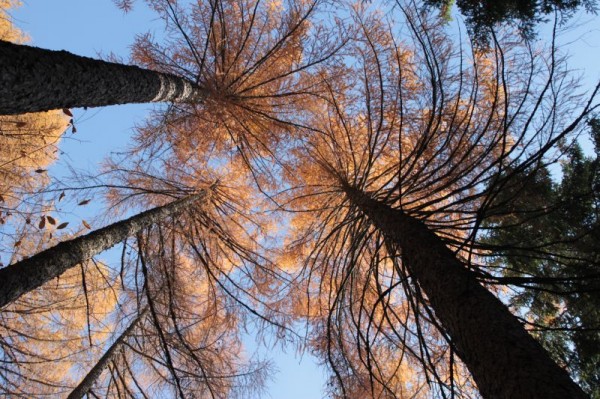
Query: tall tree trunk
[[28, 274], [34, 79], [86, 384], [505, 361]]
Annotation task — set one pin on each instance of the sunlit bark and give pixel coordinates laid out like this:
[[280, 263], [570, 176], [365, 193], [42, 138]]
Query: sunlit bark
[[34, 79]]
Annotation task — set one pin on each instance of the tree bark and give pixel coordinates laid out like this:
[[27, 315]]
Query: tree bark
[[28, 274], [34, 79], [505, 361], [86, 384]]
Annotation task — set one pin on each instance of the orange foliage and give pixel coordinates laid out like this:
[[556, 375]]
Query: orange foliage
[[47, 332]]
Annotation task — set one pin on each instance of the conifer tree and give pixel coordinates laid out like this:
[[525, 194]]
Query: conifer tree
[[35, 79]]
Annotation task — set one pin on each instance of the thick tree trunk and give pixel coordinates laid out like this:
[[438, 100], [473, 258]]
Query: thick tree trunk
[[34, 79], [505, 361], [86, 384], [28, 274]]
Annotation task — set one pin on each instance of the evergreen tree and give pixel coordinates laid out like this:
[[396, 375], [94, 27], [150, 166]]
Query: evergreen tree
[[547, 234], [483, 15]]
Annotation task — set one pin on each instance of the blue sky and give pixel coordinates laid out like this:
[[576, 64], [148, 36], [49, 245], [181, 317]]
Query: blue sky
[[97, 27]]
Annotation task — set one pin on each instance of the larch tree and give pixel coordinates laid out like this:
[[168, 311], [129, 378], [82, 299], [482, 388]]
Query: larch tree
[[30, 74], [256, 59], [177, 360], [30, 273], [86, 383], [188, 344], [402, 158], [54, 267], [198, 274], [390, 151], [258, 83]]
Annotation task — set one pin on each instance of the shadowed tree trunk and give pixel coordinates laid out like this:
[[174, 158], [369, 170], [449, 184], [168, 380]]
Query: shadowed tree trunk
[[505, 361], [34, 79], [86, 384], [28, 274]]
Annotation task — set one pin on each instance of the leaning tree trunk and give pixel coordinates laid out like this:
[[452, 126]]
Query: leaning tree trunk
[[28, 274], [34, 79], [505, 361], [86, 384]]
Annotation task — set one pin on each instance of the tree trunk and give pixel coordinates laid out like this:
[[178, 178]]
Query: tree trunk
[[28, 274], [86, 384], [34, 79], [505, 361]]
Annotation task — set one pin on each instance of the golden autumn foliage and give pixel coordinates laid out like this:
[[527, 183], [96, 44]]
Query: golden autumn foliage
[[254, 59], [288, 124], [7, 31], [50, 333], [28, 145], [422, 126], [189, 340]]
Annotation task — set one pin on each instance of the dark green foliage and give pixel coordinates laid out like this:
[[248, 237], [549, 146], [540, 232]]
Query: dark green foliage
[[547, 236], [481, 15]]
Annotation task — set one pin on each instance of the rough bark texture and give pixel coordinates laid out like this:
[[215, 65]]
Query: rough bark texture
[[86, 384], [505, 361], [22, 277], [34, 79]]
